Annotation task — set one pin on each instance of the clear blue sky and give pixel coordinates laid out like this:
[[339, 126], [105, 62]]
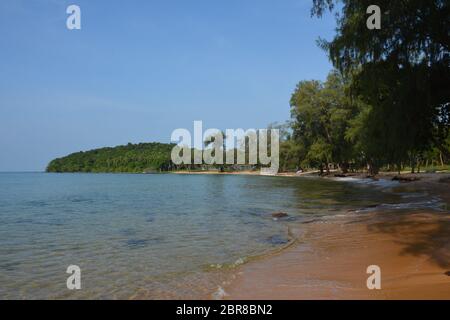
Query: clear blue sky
[[137, 70]]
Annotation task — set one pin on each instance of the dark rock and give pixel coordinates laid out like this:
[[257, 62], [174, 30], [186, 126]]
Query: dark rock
[[277, 240], [137, 243], [405, 179], [279, 214], [445, 180]]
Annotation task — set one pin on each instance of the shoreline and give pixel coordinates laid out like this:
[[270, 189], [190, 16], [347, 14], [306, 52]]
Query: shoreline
[[408, 177], [329, 259]]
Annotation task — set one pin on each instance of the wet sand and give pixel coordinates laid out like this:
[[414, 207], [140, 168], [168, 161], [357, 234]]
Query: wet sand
[[331, 257], [330, 261]]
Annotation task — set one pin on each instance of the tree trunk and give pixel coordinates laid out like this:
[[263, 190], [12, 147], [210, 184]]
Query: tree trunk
[[372, 169]]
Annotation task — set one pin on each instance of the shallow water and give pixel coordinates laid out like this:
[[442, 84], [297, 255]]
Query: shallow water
[[157, 236]]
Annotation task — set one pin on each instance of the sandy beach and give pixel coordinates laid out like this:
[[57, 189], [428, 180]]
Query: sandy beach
[[330, 258], [243, 172]]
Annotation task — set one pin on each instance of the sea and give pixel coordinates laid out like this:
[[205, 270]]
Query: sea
[[162, 236]]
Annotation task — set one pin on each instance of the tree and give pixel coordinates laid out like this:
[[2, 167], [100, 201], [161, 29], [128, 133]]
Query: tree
[[142, 157], [321, 113], [218, 143], [400, 75]]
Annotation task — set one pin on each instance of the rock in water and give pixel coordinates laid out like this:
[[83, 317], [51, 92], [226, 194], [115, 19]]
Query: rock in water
[[279, 214], [405, 179]]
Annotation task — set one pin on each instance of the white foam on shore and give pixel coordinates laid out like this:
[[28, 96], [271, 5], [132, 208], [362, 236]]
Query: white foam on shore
[[433, 203], [219, 294], [238, 262], [381, 183]]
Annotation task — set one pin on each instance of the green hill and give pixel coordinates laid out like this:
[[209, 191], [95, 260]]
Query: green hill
[[142, 157]]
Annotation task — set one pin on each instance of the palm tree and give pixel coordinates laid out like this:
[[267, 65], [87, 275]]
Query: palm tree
[[209, 141]]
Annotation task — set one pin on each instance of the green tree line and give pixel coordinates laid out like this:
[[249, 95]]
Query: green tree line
[[387, 104], [142, 157]]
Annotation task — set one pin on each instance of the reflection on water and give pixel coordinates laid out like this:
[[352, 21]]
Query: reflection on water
[[156, 236]]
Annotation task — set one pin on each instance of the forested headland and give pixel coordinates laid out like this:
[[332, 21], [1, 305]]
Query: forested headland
[[133, 158], [384, 106]]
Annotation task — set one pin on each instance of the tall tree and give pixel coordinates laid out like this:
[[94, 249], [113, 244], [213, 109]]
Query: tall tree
[[321, 113], [401, 74]]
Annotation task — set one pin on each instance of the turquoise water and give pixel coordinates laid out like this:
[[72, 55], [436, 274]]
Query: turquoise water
[[154, 235]]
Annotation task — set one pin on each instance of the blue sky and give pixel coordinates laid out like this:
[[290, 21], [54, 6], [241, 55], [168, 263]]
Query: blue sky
[[137, 70]]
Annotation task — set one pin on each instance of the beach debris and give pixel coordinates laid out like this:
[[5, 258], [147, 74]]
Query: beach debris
[[279, 214]]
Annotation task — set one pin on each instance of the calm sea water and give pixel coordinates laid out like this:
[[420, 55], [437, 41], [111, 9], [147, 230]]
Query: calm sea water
[[154, 235]]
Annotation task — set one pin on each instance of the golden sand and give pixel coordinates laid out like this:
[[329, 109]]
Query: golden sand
[[331, 260]]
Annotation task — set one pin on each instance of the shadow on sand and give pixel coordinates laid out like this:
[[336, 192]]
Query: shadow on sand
[[419, 234]]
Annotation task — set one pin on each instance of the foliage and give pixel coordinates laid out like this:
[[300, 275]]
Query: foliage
[[140, 157], [399, 78], [320, 116]]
